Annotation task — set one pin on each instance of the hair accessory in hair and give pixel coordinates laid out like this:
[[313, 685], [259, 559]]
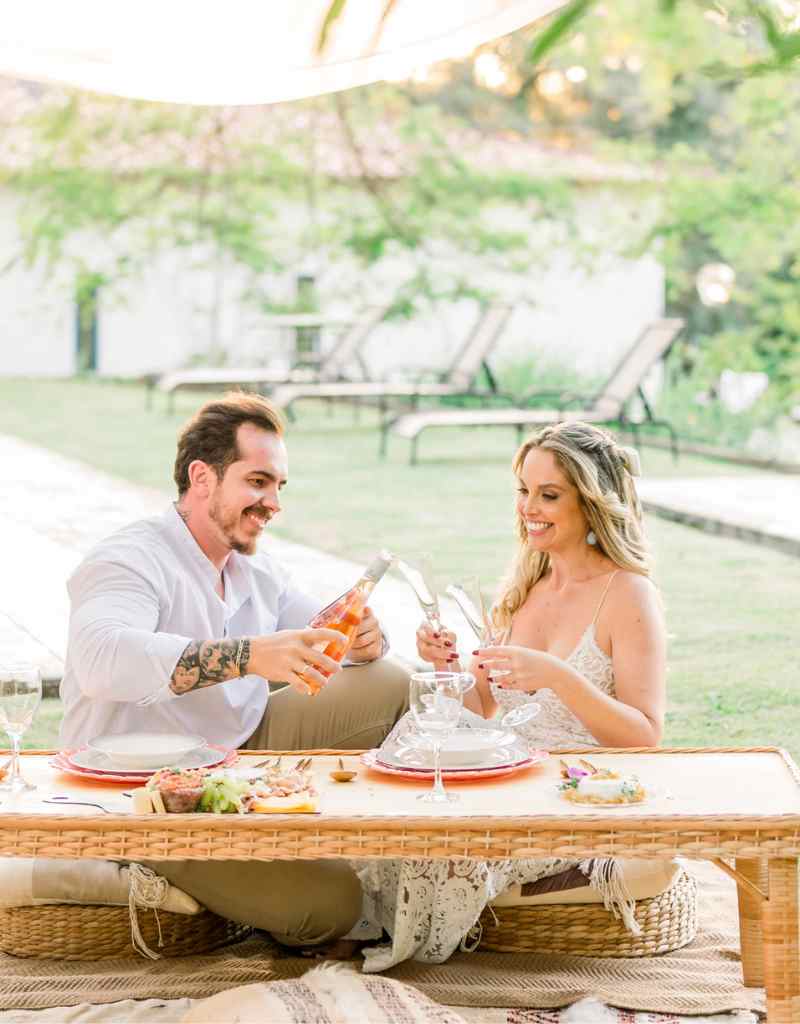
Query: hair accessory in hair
[[630, 460]]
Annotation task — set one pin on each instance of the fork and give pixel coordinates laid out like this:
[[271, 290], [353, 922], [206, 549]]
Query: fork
[[303, 764], [65, 800], [269, 761]]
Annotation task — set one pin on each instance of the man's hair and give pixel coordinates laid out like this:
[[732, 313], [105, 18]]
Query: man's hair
[[210, 435]]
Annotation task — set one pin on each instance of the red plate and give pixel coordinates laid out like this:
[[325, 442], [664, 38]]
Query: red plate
[[62, 762], [370, 760]]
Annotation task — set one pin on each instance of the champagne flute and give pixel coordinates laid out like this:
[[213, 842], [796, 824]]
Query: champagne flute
[[20, 695], [421, 582], [435, 700], [487, 634]]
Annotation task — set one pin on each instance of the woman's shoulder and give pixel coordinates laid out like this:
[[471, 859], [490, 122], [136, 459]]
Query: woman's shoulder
[[630, 592]]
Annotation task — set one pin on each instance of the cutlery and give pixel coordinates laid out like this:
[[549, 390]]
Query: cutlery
[[303, 764], [342, 775], [65, 800], [274, 764]]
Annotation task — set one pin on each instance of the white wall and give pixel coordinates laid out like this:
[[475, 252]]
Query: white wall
[[182, 310], [36, 312]]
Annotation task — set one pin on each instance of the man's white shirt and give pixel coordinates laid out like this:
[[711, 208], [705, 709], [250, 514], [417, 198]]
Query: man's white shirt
[[137, 601]]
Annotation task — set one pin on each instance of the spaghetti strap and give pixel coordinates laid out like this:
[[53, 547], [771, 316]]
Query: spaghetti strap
[[602, 599]]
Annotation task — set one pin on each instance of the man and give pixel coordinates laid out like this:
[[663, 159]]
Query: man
[[176, 624]]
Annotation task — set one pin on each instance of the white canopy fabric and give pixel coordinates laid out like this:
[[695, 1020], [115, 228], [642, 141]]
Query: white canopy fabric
[[243, 51]]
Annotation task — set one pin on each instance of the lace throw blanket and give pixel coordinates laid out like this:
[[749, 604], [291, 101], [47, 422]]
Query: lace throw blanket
[[430, 908]]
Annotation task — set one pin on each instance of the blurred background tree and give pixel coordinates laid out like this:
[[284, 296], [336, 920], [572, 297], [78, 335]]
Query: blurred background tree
[[700, 99]]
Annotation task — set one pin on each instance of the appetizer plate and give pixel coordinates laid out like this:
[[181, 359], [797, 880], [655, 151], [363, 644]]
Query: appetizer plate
[[370, 760], [651, 793], [64, 762], [136, 751], [463, 748]]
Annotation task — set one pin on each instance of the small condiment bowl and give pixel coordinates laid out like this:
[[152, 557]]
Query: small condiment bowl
[[341, 774]]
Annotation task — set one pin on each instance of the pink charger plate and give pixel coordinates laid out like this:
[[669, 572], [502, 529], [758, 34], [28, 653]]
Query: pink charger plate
[[371, 760], [63, 763]]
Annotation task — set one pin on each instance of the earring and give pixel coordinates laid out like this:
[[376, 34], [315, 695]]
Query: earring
[[591, 538]]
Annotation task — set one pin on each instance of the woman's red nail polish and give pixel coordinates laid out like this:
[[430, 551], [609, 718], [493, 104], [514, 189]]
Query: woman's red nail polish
[[437, 635], [474, 652], [448, 643], [481, 665]]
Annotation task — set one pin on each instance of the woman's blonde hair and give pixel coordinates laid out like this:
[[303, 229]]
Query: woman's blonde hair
[[602, 471]]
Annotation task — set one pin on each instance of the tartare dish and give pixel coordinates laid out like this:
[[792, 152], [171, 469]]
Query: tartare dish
[[602, 786]]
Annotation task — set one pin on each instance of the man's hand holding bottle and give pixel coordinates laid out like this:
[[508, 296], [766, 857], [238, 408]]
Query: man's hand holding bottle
[[368, 640], [290, 654]]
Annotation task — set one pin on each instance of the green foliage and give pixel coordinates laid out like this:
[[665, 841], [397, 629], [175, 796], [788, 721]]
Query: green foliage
[[543, 373]]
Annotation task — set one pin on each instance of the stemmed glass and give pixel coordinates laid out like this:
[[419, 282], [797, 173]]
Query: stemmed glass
[[436, 700], [489, 635], [20, 696], [421, 582]]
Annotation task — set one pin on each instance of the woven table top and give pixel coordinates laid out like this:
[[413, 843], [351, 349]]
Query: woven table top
[[710, 802]]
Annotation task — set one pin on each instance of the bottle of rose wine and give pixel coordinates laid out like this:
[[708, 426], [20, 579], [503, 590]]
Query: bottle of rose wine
[[345, 613]]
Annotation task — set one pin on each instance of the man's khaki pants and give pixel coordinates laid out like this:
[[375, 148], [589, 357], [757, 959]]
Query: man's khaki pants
[[302, 903]]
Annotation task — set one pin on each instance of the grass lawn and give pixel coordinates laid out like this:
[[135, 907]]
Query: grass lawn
[[733, 608]]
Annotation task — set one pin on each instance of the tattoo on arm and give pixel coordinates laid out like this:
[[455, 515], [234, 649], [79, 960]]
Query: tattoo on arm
[[205, 664]]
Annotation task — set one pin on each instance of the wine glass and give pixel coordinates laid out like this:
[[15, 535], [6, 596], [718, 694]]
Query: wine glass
[[20, 695], [436, 700]]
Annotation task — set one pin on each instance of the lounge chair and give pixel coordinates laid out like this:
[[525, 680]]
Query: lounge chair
[[331, 366], [607, 406], [457, 379]]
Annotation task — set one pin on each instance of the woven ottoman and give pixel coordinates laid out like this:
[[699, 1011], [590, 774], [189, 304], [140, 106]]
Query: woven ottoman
[[668, 921], [65, 932]]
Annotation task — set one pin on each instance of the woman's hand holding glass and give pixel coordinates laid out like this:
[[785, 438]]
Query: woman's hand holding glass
[[437, 647], [517, 668]]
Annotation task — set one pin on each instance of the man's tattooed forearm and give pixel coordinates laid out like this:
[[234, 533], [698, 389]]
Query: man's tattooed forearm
[[204, 664]]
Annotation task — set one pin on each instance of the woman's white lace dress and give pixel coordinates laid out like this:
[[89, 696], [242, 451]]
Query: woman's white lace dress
[[428, 907]]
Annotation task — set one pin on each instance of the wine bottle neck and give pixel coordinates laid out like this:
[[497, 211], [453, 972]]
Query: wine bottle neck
[[375, 570]]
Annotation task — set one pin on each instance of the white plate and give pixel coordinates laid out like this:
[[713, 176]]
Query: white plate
[[205, 758], [140, 750], [371, 760], [651, 793], [464, 747], [422, 760]]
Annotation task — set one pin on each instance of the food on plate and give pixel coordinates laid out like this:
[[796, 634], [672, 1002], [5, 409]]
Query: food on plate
[[289, 792], [589, 785], [181, 791], [224, 794], [176, 791]]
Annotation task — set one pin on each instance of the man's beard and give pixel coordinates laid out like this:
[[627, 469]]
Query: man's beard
[[227, 522]]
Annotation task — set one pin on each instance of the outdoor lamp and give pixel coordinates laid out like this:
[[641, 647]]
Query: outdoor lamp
[[714, 283]]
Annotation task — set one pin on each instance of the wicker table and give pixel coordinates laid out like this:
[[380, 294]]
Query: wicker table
[[739, 804]]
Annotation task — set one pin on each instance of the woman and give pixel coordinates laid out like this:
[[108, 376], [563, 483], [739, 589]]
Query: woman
[[586, 642]]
